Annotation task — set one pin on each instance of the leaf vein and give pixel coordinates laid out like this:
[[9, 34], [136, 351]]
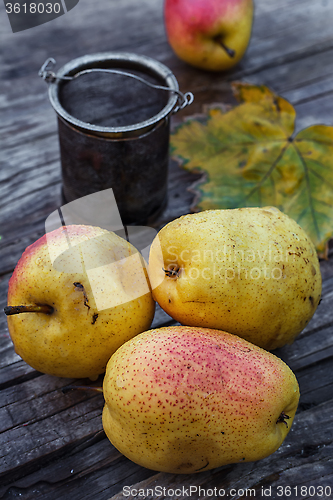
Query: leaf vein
[[307, 180]]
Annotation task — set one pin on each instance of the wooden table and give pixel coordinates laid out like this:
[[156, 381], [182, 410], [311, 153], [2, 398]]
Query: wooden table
[[52, 444]]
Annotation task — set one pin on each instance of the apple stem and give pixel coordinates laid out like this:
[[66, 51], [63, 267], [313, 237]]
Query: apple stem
[[39, 308], [231, 53]]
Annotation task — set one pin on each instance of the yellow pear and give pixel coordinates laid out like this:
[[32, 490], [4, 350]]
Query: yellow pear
[[185, 399], [249, 271], [75, 296]]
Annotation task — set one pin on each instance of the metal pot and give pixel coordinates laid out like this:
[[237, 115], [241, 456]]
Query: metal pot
[[108, 142]]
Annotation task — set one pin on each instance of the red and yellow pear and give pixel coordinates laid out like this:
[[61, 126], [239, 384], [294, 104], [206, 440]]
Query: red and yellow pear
[[186, 399], [76, 295]]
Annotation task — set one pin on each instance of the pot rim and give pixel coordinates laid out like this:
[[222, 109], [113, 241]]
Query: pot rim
[[126, 61]]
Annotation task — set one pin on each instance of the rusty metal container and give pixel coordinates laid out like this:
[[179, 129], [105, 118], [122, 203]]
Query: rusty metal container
[[113, 114]]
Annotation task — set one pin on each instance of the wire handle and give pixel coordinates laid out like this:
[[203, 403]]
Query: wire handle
[[49, 76]]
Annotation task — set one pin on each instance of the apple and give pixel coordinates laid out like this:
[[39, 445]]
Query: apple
[[209, 34], [185, 399], [252, 272], [75, 296]]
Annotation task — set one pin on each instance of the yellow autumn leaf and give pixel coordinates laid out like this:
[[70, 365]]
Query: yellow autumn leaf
[[249, 157]]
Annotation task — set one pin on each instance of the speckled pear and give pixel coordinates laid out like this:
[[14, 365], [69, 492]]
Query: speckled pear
[[253, 272], [186, 399]]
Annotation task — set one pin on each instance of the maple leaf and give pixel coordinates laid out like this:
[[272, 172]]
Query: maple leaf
[[249, 157]]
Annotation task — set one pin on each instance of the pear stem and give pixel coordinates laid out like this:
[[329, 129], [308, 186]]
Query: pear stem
[[231, 53], [37, 308]]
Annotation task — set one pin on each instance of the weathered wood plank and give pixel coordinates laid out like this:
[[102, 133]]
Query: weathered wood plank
[[16, 373], [94, 468], [313, 393], [315, 342], [19, 405], [41, 440]]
